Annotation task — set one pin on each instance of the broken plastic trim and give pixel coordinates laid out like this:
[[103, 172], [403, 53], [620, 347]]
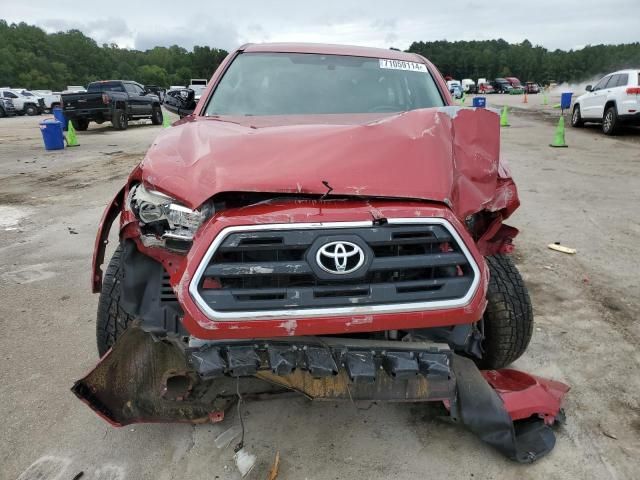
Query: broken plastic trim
[[144, 379]]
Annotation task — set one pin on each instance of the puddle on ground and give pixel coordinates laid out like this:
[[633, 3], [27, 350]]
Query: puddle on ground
[[10, 216], [29, 274]]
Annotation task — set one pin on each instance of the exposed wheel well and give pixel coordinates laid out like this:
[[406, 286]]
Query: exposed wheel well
[[610, 103]]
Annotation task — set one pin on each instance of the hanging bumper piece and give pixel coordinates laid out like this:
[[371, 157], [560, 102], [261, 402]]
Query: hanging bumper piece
[[145, 379]]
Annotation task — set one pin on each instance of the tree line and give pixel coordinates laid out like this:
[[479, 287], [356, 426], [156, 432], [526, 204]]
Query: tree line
[[32, 58], [498, 58]]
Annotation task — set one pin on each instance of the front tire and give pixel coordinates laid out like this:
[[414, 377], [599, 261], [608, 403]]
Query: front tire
[[508, 320], [610, 121], [576, 117], [31, 110], [112, 320]]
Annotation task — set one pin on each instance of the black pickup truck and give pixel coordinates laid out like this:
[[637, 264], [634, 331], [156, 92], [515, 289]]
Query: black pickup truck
[[117, 101]]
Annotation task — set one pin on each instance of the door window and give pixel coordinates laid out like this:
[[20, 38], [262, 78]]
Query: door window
[[600, 85], [613, 81], [130, 88]]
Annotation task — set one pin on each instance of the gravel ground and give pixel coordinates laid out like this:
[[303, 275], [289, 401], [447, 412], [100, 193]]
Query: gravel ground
[[585, 196]]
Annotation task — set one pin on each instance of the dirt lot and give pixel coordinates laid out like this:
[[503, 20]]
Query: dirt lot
[[586, 196]]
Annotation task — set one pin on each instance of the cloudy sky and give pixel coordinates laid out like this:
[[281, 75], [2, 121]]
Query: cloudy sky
[[554, 24]]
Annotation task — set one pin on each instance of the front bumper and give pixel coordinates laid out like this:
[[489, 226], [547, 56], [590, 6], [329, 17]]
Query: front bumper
[[143, 379], [181, 270], [204, 323]]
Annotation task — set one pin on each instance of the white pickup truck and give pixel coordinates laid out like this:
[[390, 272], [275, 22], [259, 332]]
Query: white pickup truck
[[614, 100], [51, 99], [24, 104]]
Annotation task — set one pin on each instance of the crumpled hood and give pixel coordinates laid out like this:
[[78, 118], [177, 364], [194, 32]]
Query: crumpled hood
[[449, 155]]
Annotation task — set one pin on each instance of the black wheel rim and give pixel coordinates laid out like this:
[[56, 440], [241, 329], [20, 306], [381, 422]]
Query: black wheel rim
[[608, 120]]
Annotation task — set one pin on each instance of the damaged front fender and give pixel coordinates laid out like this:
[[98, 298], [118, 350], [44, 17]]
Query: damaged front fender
[[102, 238]]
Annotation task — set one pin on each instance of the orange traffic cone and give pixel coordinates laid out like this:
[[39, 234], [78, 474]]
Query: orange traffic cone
[[525, 98]]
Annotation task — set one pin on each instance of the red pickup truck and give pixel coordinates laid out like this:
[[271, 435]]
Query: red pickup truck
[[323, 220]]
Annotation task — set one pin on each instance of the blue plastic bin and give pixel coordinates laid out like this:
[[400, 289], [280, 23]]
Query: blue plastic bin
[[565, 100], [58, 114], [52, 134], [479, 102]]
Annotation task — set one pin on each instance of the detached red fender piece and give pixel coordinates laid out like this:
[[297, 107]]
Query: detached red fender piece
[[102, 238], [525, 395]]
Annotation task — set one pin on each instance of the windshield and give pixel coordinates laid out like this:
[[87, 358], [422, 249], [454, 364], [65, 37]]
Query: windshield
[[105, 87], [307, 84]]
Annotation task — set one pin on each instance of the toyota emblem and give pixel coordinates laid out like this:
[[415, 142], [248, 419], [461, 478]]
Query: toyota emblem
[[340, 258]]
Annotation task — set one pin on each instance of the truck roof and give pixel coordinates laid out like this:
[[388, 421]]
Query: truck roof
[[330, 49], [108, 81]]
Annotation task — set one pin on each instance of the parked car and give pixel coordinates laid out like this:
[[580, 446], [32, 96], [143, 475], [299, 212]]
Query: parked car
[[468, 85], [455, 88], [275, 241], [613, 101], [6, 107], [117, 101], [51, 99], [29, 105], [485, 88], [176, 99], [531, 87], [516, 84], [501, 85]]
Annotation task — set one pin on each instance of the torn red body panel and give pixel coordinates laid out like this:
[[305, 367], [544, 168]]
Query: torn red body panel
[[525, 395], [448, 155]]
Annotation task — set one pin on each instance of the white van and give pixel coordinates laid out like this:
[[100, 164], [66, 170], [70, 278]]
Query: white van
[[198, 85], [468, 85]]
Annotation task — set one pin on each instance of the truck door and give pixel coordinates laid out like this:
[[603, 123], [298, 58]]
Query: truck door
[[145, 99], [137, 99]]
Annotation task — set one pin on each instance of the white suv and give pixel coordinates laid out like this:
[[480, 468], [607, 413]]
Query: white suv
[[615, 99]]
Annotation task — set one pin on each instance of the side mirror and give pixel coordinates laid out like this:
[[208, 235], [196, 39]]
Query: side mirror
[[181, 102], [589, 88]]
